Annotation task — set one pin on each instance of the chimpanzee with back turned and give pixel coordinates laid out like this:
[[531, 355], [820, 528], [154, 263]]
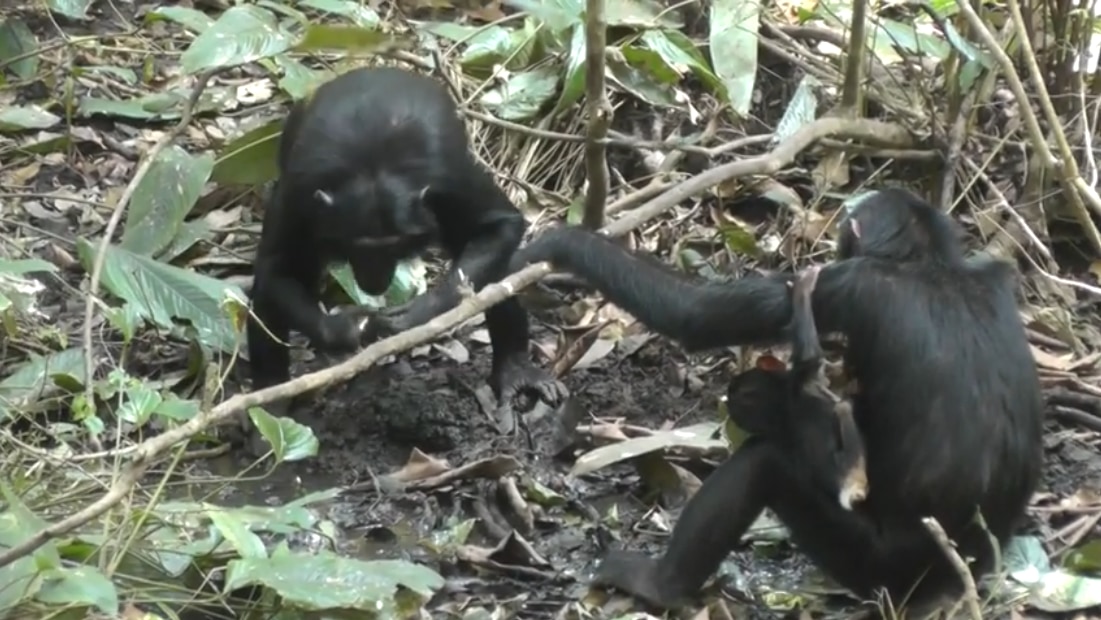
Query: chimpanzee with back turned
[[373, 168], [949, 403], [795, 409]]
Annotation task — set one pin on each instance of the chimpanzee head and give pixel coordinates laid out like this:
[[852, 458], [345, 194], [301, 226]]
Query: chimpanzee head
[[895, 224]]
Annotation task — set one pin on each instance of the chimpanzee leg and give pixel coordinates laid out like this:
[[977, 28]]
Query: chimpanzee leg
[[858, 553]]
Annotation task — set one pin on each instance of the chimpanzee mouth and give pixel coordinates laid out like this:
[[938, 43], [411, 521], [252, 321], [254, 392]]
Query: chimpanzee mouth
[[378, 242]]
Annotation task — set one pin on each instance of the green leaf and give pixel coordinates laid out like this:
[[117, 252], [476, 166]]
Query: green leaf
[[163, 292], [290, 441], [80, 586], [523, 95], [327, 581], [34, 378], [139, 404], [733, 41], [125, 74], [244, 542], [17, 40], [18, 118], [739, 240], [26, 265], [640, 80], [327, 37], [298, 80], [557, 14], [242, 34], [163, 198], [252, 158], [574, 85], [1086, 558], [638, 14], [192, 19], [801, 111], [18, 524], [175, 408], [73, 9], [188, 234], [678, 51], [359, 14]]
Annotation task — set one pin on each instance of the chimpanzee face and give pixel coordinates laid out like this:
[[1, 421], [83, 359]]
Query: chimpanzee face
[[373, 217]]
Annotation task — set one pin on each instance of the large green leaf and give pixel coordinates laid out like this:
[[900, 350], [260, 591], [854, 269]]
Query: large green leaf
[[73, 9], [575, 72], [680, 53], [18, 118], [192, 19], [322, 37], [523, 94], [162, 293], [359, 14], [17, 41], [34, 378], [558, 14], [733, 40], [245, 33], [162, 199], [327, 581], [80, 586], [252, 158]]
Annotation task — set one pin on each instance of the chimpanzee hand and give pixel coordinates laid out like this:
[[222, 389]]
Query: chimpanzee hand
[[339, 333], [386, 322], [636, 574], [515, 374]]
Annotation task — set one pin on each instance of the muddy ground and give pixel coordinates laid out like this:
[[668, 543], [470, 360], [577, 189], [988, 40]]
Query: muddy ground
[[369, 426]]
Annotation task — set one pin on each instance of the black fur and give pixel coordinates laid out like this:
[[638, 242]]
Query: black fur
[[949, 402], [795, 409], [374, 168]]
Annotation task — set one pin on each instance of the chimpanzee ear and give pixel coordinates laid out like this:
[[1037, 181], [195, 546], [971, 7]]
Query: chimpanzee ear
[[770, 363], [324, 197], [854, 226]]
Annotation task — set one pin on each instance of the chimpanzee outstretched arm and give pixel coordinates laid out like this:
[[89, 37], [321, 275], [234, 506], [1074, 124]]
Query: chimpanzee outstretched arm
[[699, 314]]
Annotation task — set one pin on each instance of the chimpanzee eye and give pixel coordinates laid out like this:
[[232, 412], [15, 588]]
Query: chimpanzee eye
[[324, 197]]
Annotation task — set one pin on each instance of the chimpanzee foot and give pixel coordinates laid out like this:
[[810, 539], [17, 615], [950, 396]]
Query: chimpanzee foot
[[516, 375], [636, 574]]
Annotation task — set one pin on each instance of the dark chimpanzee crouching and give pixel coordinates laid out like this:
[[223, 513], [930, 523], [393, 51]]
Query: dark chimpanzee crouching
[[795, 409], [374, 168], [949, 403]]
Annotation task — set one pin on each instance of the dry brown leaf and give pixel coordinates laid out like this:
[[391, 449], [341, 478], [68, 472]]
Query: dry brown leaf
[[1047, 360]]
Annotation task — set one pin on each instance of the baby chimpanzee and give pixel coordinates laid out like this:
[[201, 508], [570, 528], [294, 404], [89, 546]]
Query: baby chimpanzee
[[795, 408]]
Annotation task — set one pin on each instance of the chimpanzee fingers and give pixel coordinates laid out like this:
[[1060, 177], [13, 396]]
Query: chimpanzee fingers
[[339, 333]]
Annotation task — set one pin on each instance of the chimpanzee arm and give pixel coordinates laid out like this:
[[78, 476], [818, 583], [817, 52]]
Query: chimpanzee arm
[[700, 315]]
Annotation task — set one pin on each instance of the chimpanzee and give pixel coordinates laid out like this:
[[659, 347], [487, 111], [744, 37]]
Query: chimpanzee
[[373, 168], [795, 408], [949, 403]]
